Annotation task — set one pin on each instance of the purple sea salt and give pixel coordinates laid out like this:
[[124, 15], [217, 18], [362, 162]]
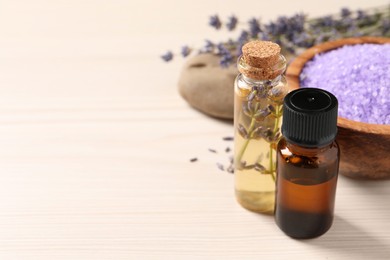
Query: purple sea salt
[[359, 76]]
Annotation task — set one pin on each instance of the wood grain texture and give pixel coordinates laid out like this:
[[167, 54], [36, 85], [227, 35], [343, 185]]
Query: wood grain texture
[[94, 150], [364, 147]]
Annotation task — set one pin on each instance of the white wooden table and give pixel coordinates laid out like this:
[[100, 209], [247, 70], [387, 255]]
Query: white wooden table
[[95, 142]]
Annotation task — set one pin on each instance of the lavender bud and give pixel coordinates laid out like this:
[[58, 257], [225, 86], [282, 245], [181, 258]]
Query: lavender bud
[[246, 110], [259, 167], [215, 22], [167, 56], [254, 27], [242, 131], [185, 51], [232, 23]]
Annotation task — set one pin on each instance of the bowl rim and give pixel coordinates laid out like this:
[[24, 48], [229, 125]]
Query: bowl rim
[[295, 67]]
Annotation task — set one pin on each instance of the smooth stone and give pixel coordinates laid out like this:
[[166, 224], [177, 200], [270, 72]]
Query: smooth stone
[[208, 87]]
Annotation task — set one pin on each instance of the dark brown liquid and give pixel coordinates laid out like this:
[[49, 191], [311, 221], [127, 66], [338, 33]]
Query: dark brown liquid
[[300, 224], [305, 189]]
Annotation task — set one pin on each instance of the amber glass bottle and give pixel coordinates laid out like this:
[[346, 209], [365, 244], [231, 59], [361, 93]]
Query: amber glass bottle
[[307, 164], [259, 92]]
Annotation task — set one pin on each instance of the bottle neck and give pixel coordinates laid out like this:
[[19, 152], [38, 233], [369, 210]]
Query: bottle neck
[[261, 83], [308, 151]]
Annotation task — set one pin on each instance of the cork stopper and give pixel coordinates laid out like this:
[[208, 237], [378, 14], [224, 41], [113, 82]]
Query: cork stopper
[[260, 59]]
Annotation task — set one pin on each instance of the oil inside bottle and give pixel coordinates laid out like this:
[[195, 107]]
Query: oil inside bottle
[[255, 154], [305, 191]]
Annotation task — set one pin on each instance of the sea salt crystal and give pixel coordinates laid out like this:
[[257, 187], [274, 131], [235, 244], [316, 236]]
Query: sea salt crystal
[[359, 76]]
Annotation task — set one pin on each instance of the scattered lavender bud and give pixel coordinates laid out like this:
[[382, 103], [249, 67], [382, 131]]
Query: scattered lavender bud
[[193, 159], [220, 166], [215, 22], [231, 159], [230, 169], [227, 149], [212, 150], [167, 56], [185, 51], [232, 23], [228, 138]]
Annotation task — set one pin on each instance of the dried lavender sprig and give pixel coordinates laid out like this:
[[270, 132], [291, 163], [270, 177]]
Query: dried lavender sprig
[[298, 31]]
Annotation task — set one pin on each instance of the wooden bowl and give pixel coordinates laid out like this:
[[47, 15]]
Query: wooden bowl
[[365, 148]]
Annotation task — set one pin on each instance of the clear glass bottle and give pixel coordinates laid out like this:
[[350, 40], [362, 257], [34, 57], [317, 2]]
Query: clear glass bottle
[[307, 164], [259, 92]]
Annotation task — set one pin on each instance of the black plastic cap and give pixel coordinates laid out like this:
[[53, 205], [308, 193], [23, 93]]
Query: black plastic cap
[[310, 117]]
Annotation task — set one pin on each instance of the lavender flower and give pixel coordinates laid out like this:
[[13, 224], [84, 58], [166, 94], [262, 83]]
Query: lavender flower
[[232, 23], [303, 40], [263, 36], [348, 24], [361, 15], [326, 21], [282, 25], [209, 46], [254, 27], [168, 56], [221, 49], [242, 39], [345, 12], [226, 58], [271, 28], [385, 25], [185, 51], [215, 22], [299, 21]]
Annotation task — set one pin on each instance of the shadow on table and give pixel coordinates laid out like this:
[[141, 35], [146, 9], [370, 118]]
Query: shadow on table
[[377, 188], [350, 240]]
